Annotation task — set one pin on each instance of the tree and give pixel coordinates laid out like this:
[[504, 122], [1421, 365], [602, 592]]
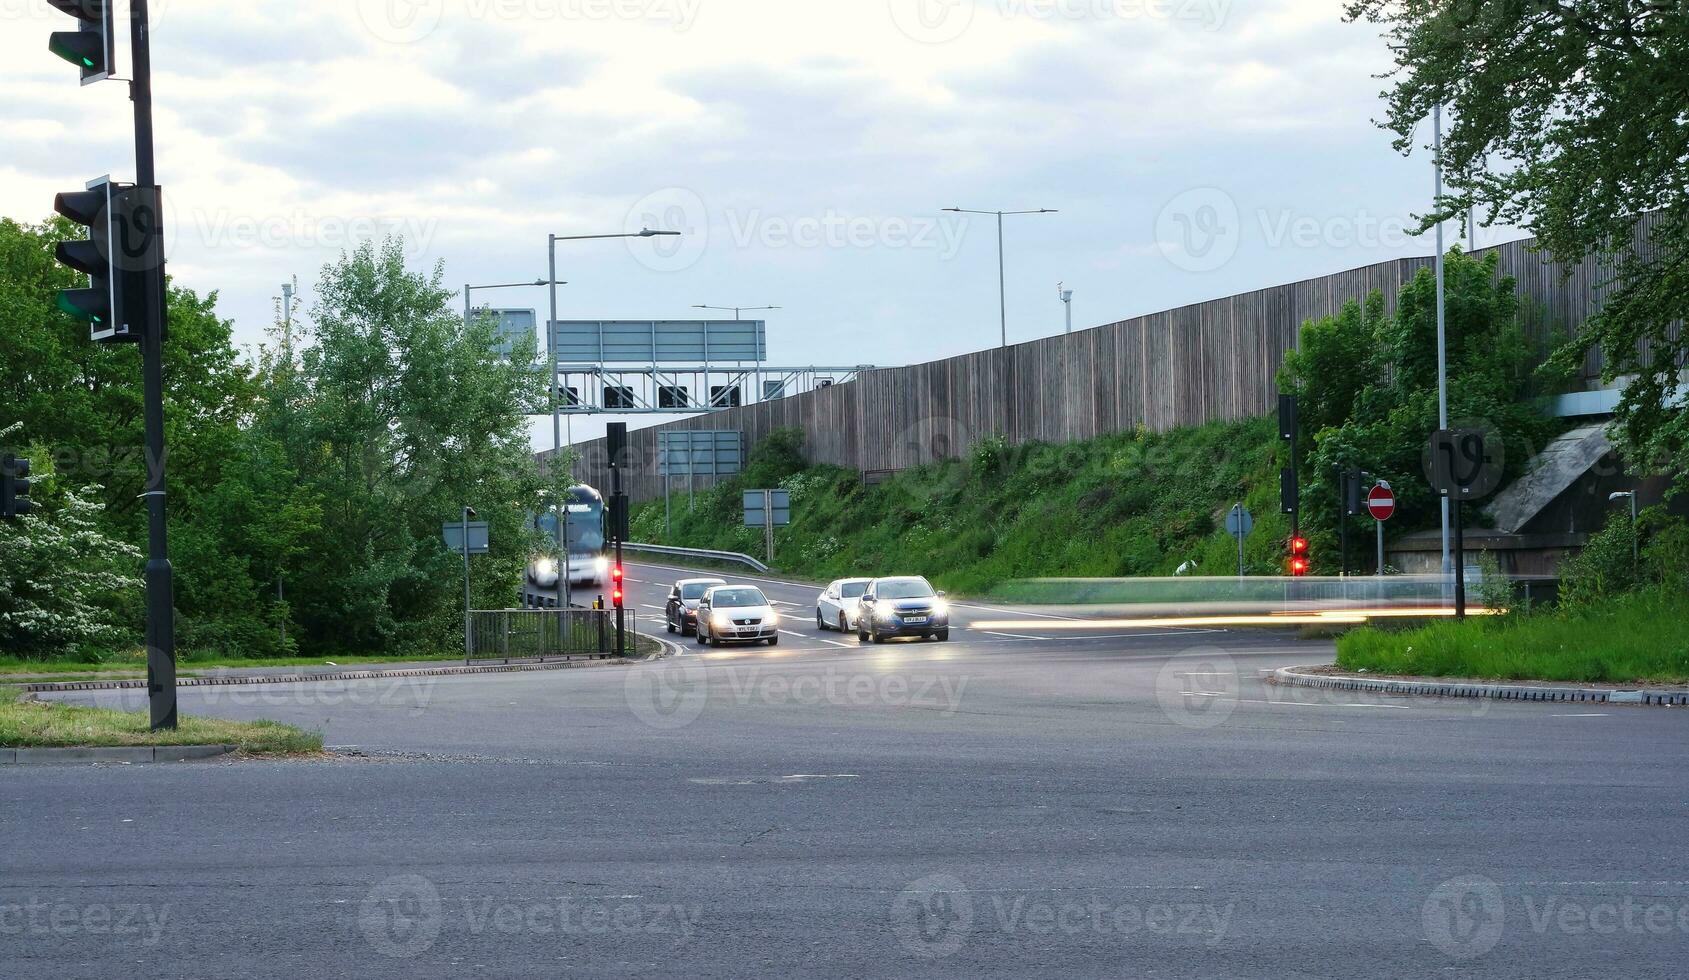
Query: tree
[[66, 587], [403, 414], [1569, 120], [1369, 386]]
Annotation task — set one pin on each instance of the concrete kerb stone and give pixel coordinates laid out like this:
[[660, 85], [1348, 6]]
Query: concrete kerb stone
[[1484, 690], [122, 754]]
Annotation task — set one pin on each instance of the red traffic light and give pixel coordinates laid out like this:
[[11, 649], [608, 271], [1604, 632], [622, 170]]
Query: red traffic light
[[1298, 567], [1299, 546]]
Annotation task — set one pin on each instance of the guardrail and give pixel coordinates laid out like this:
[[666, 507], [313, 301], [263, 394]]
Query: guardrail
[[523, 634], [704, 553]]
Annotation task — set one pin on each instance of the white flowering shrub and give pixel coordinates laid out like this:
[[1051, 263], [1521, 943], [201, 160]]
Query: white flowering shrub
[[64, 583]]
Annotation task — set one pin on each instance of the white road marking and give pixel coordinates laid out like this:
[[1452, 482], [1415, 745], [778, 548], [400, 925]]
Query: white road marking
[[1590, 715], [1012, 636]]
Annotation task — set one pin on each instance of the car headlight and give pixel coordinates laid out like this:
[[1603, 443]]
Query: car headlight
[[940, 608], [721, 621], [886, 614], [773, 619]]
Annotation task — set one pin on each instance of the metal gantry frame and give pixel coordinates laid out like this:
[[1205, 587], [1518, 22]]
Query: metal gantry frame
[[645, 381]]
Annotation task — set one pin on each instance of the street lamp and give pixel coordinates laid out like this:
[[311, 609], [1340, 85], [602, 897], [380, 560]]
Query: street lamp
[[1002, 283], [1066, 296], [737, 310], [1635, 538], [557, 381], [468, 310]]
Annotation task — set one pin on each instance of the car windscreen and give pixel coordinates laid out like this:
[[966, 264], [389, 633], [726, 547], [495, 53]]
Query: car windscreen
[[853, 590], [736, 598], [696, 590], [905, 588]]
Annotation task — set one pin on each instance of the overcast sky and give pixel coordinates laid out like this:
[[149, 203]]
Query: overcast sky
[[1195, 148]]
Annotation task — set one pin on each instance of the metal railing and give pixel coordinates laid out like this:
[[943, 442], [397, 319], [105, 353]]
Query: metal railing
[[541, 634], [704, 553]]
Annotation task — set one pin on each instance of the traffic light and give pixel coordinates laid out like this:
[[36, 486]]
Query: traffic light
[[1299, 562], [616, 594], [92, 47], [14, 488], [103, 302]]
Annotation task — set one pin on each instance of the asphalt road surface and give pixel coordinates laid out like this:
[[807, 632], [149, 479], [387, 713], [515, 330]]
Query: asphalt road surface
[[1028, 802]]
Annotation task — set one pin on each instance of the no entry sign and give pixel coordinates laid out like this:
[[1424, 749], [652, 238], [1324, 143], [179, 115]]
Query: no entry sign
[[1381, 503]]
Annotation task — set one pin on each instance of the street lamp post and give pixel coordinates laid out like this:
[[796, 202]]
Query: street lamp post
[[468, 310], [1002, 278], [1635, 537], [1066, 296], [556, 381], [1442, 323], [468, 512]]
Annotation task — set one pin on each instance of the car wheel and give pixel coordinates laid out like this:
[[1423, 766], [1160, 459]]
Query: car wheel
[[702, 639], [669, 623], [943, 635], [844, 626], [875, 635], [820, 621], [861, 634], [774, 641]]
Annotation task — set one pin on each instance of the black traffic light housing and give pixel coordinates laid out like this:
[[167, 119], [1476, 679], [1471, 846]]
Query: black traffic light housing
[[14, 488], [103, 301], [618, 595], [92, 47], [123, 248]]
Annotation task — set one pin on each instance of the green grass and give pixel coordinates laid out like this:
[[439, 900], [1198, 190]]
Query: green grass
[[135, 665], [42, 724], [1635, 639], [1125, 504]]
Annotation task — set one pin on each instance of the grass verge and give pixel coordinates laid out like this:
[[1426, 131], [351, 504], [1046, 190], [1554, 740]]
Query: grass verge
[[43, 724], [1635, 639]]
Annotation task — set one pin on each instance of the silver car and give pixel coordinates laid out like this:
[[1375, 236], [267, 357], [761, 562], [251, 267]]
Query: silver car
[[837, 607], [737, 614]]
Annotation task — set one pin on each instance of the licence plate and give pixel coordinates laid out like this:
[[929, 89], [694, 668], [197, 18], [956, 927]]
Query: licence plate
[[915, 620]]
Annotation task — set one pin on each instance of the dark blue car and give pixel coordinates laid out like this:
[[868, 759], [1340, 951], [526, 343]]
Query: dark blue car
[[895, 607]]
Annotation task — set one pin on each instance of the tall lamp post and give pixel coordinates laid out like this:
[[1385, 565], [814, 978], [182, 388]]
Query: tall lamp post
[[1002, 279], [468, 310], [1066, 297], [1635, 538], [556, 382]]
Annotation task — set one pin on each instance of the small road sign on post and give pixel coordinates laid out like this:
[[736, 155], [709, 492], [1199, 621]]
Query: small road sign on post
[[1239, 522], [1465, 464], [1381, 504], [768, 509]]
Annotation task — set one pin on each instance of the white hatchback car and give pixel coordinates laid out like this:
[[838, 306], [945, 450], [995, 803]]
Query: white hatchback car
[[836, 608]]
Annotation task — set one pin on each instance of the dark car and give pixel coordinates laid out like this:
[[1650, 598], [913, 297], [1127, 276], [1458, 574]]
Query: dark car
[[682, 610], [895, 607]]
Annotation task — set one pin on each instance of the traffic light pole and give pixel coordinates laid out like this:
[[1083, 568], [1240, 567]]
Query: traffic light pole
[[161, 624]]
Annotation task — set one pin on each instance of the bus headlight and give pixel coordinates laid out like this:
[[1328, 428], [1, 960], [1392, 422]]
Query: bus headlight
[[546, 567], [603, 566]]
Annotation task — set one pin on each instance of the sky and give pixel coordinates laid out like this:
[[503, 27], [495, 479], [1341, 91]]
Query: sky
[[806, 150]]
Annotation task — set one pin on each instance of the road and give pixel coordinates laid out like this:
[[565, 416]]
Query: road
[[1041, 803]]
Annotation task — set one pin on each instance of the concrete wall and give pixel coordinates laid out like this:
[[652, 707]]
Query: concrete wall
[[1212, 360]]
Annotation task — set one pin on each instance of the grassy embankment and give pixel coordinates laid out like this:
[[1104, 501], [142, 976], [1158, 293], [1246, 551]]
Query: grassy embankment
[[42, 724], [1633, 639], [1133, 503]]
